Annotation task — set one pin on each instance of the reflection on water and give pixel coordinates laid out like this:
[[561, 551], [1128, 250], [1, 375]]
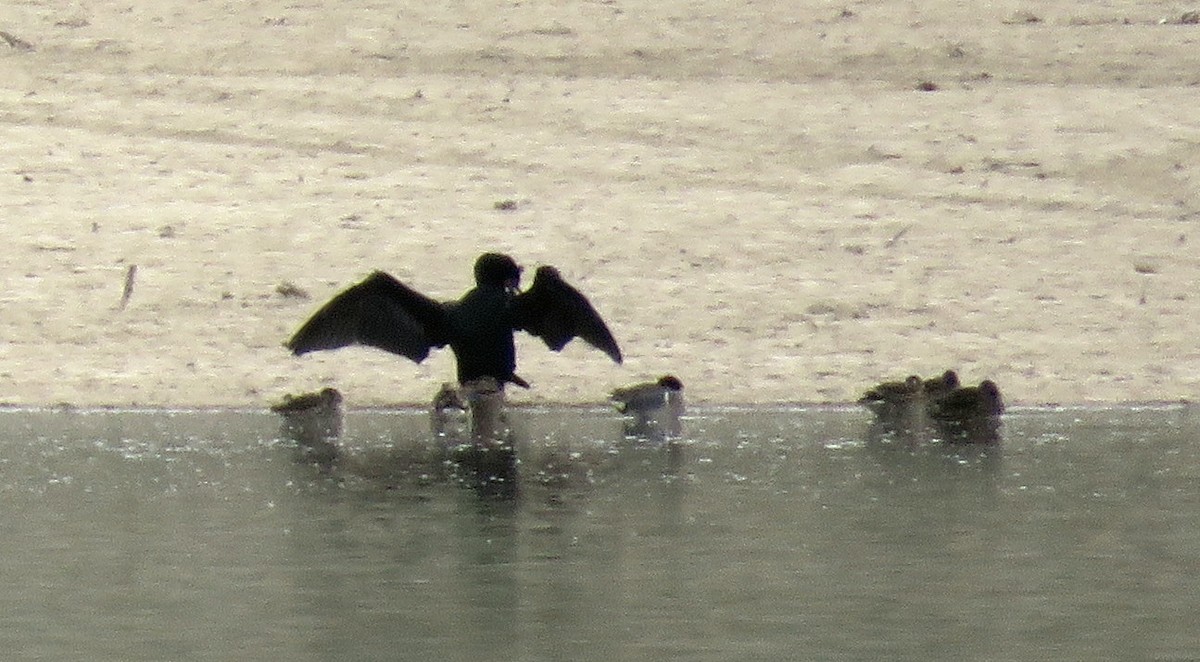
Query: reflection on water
[[756, 535]]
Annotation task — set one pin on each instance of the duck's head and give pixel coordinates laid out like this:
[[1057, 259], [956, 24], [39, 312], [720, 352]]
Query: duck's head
[[448, 397], [992, 401], [497, 269], [331, 397], [670, 382], [950, 379], [939, 386]]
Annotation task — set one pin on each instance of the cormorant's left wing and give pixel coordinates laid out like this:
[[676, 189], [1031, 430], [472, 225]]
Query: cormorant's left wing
[[557, 313]]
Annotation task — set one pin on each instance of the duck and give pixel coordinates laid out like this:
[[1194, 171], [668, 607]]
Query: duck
[[314, 422], [384, 313], [649, 396], [890, 398], [969, 402], [324, 407], [937, 387], [448, 412], [655, 407], [969, 414]]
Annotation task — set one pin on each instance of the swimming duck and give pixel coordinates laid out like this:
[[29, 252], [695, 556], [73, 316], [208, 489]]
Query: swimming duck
[[324, 405], [448, 412], [656, 407], [969, 414], [649, 396], [314, 422], [889, 398], [967, 402], [936, 387], [382, 312]]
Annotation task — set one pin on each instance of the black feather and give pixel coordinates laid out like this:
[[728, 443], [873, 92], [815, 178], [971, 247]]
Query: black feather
[[380, 312], [558, 313]]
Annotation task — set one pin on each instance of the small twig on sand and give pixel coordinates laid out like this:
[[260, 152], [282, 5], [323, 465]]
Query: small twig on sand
[[15, 42], [130, 274], [896, 237]]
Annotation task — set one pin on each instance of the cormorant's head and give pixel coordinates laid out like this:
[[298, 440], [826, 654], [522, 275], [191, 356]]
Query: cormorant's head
[[497, 269]]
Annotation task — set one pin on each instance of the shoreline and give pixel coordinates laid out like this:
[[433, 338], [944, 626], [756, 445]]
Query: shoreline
[[693, 409]]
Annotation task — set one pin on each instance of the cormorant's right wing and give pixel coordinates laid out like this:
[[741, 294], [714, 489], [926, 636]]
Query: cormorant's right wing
[[380, 312]]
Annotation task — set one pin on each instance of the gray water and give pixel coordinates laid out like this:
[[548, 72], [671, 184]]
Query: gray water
[[762, 535]]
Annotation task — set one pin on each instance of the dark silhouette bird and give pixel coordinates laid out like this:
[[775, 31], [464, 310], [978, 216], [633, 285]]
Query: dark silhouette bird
[[893, 397], [382, 312], [937, 387], [969, 402], [889, 398], [969, 414]]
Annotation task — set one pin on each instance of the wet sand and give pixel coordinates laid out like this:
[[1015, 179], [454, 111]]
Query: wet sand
[[777, 204]]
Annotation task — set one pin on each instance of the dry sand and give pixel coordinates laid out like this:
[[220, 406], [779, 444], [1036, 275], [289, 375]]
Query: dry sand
[[757, 196]]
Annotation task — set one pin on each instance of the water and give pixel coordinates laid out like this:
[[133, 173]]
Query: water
[[764, 535]]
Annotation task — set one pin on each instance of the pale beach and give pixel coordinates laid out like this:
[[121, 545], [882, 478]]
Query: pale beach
[[777, 202]]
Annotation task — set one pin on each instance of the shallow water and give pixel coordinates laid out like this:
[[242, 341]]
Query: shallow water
[[762, 535]]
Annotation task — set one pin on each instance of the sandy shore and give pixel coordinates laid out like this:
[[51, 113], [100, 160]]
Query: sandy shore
[[759, 198]]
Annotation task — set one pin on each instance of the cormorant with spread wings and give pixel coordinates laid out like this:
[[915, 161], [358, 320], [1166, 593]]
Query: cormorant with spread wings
[[385, 313]]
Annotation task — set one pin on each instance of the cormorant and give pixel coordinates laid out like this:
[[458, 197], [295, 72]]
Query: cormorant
[[383, 312]]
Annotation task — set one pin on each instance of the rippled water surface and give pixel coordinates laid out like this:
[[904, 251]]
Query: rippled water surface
[[761, 535]]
